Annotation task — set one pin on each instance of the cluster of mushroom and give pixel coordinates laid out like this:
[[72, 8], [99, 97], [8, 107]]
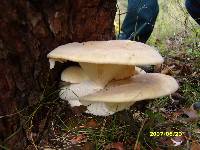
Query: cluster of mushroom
[[107, 80]]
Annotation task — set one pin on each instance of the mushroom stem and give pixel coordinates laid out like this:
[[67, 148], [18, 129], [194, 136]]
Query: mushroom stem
[[101, 74]]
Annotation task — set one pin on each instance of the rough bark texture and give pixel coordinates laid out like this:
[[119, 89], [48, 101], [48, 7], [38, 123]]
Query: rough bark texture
[[29, 30]]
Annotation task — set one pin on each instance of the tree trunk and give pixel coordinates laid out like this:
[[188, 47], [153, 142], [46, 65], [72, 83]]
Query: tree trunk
[[29, 30]]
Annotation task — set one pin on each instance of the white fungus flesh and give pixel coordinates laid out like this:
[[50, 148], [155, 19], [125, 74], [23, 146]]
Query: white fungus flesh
[[73, 92], [101, 74], [109, 81], [105, 109], [139, 87]]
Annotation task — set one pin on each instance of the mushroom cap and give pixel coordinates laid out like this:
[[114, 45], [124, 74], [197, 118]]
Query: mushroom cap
[[124, 52], [139, 87], [73, 74]]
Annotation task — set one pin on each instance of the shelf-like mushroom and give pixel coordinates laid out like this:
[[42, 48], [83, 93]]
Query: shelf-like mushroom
[[108, 80], [79, 87]]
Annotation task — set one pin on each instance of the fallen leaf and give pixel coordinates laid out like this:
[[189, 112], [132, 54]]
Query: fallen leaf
[[195, 146], [167, 70], [117, 146], [191, 113], [178, 140], [88, 146], [166, 141], [176, 115], [176, 143], [92, 123], [78, 139], [137, 147]]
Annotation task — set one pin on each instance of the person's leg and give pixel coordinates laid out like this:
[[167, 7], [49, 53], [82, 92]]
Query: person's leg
[[193, 7], [140, 19]]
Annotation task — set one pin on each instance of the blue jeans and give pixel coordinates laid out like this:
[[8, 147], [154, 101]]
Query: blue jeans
[[193, 7], [141, 16]]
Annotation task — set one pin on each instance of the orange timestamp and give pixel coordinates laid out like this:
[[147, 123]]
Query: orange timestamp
[[166, 133]]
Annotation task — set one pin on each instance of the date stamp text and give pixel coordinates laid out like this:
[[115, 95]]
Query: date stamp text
[[172, 134]]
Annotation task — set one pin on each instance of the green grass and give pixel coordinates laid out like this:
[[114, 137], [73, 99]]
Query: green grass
[[108, 129]]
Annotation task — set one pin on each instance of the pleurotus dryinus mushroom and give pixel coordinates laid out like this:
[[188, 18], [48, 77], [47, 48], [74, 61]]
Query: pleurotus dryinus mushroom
[[107, 80]]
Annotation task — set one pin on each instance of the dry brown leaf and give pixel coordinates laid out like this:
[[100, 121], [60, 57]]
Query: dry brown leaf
[[178, 140], [117, 146], [191, 113], [195, 146], [138, 146], [175, 115], [78, 139], [166, 141], [168, 70], [173, 141], [88, 146], [92, 124]]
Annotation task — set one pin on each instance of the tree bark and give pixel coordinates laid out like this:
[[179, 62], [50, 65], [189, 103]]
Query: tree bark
[[29, 30]]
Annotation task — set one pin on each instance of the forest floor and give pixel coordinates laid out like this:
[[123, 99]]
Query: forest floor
[[176, 36]]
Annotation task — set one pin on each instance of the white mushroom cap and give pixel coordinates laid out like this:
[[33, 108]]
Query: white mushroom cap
[[103, 61], [122, 52], [73, 75], [139, 87]]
